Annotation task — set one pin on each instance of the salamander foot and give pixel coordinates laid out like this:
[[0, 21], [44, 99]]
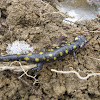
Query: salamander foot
[[39, 67]]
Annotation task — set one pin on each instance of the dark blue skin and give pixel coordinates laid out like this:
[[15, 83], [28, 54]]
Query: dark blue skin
[[49, 56]]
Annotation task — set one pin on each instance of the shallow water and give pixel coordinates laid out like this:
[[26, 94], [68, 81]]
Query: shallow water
[[79, 10]]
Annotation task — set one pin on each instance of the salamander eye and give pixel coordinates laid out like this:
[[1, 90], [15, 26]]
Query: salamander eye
[[81, 45], [76, 38], [85, 41]]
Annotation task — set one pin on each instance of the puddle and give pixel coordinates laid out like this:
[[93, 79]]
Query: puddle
[[79, 9]]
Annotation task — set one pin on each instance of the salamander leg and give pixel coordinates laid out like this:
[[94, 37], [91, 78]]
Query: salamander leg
[[74, 54], [62, 42], [39, 67]]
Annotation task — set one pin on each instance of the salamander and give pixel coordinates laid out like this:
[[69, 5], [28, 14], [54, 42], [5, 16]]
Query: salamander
[[50, 55]]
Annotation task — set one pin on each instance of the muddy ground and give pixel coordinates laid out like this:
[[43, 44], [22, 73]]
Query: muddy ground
[[26, 20]]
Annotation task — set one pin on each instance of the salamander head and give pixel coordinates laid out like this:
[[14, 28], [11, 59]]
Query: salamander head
[[82, 40]]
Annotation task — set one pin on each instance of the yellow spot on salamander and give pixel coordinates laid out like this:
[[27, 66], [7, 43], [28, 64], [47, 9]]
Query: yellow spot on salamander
[[61, 53], [66, 51], [62, 45], [71, 42], [29, 54], [41, 53], [5, 59], [50, 55], [76, 38], [57, 47], [37, 70], [18, 54], [54, 58], [68, 44], [36, 59], [48, 49], [74, 47], [26, 58], [81, 45], [44, 58], [47, 59], [19, 59], [3, 55], [52, 49]]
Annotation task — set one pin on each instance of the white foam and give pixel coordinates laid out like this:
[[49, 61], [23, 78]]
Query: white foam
[[18, 47]]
